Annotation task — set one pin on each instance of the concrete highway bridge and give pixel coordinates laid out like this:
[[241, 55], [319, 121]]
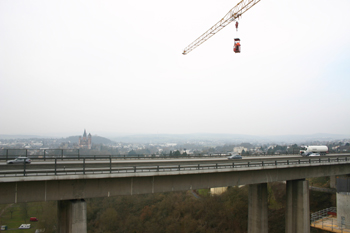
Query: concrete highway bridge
[[70, 181]]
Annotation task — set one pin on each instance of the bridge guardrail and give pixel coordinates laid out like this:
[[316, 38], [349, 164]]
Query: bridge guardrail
[[69, 154], [82, 167], [47, 154]]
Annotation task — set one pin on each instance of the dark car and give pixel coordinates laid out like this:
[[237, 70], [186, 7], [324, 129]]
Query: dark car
[[235, 157], [19, 160]]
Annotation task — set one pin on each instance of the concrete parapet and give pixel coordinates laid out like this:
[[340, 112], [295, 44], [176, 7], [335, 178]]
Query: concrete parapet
[[47, 188]]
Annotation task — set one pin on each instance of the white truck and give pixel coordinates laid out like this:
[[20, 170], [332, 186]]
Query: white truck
[[323, 150]]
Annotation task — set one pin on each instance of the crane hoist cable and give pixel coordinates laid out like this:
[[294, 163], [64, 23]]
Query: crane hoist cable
[[232, 15]]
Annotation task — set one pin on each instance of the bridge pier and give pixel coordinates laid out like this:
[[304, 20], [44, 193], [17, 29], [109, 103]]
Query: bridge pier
[[343, 201], [297, 207], [332, 182], [72, 216], [257, 208]]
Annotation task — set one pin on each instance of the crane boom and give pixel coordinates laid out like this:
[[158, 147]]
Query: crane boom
[[233, 14]]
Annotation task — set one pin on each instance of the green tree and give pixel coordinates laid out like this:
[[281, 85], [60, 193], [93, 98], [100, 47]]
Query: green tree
[[24, 211], [109, 220], [11, 210], [48, 216], [132, 152], [177, 153]]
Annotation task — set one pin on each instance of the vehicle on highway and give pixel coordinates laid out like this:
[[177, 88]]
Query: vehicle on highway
[[305, 154], [19, 160], [235, 157], [323, 150], [314, 154]]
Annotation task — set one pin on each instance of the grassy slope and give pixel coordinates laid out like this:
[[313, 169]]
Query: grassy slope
[[33, 210]]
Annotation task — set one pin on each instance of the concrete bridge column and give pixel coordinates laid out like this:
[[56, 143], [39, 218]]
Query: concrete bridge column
[[343, 209], [332, 182], [72, 216], [297, 207], [257, 208]]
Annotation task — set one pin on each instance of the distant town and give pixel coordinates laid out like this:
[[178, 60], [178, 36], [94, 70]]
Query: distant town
[[173, 144]]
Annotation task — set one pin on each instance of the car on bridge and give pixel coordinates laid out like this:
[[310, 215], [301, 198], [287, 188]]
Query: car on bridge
[[311, 154], [315, 154], [19, 160], [305, 154], [235, 157]]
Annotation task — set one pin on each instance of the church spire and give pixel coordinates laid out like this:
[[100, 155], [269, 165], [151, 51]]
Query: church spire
[[85, 142]]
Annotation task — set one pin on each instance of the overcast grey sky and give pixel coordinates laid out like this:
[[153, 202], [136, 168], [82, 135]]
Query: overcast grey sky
[[117, 67]]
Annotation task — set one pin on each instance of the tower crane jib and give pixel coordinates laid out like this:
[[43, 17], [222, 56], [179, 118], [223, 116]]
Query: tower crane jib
[[233, 14]]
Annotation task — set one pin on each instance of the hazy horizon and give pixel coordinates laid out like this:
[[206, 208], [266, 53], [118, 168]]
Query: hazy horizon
[[205, 133], [225, 138]]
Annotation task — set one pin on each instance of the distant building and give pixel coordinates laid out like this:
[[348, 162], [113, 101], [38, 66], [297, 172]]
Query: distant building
[[239, 149], [218, 191], [343, 149], [85, 142]]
